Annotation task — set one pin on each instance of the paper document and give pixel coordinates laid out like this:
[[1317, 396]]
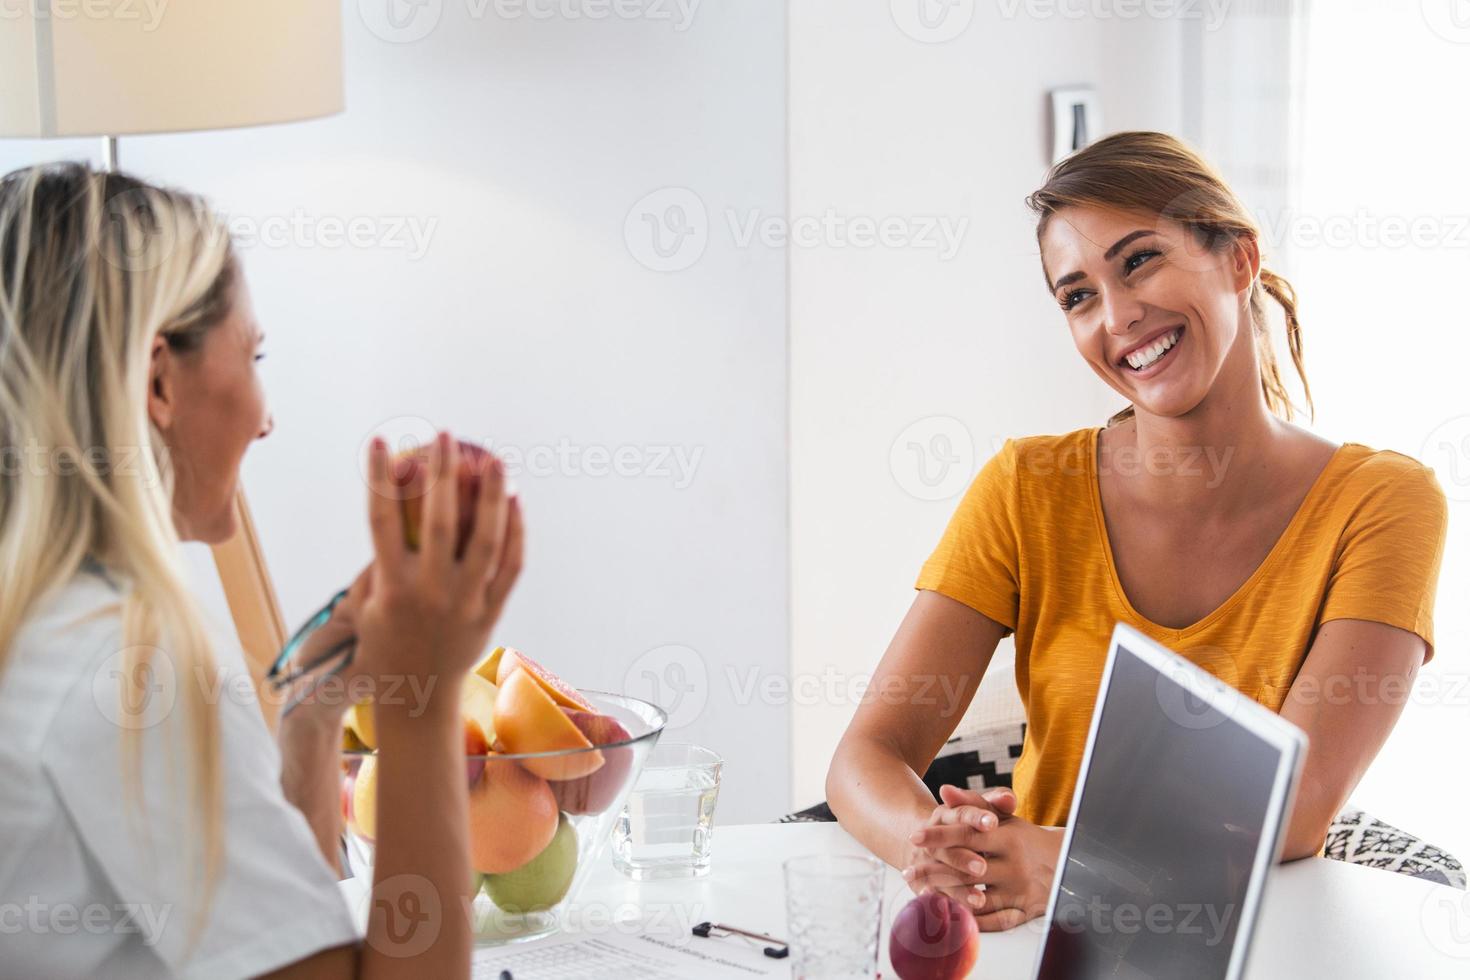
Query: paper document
[[628, 957]]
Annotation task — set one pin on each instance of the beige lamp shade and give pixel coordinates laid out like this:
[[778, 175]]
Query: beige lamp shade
[[118, 67]]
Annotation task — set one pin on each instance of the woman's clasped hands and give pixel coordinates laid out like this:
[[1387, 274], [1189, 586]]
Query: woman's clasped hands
[[977, 851]]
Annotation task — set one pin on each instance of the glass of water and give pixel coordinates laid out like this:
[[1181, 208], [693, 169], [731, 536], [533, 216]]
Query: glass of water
[[834, 913], [665, 828]]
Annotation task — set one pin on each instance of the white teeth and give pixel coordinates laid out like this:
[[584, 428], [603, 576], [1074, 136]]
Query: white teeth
[[1141, 359]]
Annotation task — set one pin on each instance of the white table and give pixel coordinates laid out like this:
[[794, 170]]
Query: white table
[[1321, 918]]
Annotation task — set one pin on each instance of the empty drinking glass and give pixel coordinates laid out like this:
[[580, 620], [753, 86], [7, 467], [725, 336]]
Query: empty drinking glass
[[665, 828], [834, 912]]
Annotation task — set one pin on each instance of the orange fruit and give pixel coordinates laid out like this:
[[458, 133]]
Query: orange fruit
[[561, 692], [513, 816], [528, 720]]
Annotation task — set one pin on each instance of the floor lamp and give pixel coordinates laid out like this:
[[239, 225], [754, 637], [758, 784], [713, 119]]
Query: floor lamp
[[110, 71]]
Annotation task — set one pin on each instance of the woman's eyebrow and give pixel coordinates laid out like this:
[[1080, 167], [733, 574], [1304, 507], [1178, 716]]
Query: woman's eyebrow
[[1117, 247]]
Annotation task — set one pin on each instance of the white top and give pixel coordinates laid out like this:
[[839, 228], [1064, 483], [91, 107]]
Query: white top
[[89, 890]]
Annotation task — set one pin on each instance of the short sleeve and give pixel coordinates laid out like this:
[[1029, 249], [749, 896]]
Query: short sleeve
[[276, 900], [1386, 569], [977, 561]]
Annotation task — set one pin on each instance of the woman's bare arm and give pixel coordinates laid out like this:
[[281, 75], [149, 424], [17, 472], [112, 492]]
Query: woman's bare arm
[[1347, 697], [922, 686]]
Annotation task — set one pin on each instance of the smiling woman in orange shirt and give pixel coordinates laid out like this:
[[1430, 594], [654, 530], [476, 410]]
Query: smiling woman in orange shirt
[[1299, 571]]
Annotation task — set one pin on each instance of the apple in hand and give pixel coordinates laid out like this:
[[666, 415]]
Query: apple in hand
[[597, 792], [412, 463], [934, 937]]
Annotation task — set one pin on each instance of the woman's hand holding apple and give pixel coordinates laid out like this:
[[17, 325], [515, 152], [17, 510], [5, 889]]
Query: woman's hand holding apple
[[427, 614]]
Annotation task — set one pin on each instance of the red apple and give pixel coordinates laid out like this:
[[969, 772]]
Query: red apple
[[596, 792], [934, 937], [473, 462]]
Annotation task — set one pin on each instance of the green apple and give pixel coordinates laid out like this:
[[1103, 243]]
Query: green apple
[[477, 882], [544, 881]]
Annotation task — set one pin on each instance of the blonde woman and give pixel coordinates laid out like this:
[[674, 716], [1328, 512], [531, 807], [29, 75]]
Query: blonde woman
[[144, 829], [1299, 571]]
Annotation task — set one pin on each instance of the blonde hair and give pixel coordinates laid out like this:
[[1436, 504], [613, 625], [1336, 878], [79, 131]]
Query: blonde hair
[[93, 267], [1159, 174]]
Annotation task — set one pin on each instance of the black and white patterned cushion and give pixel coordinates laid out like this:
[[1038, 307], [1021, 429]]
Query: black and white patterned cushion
[[1360, 838], [979, 759]]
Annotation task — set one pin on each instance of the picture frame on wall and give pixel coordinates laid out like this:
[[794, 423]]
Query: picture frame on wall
[[1076, 119]]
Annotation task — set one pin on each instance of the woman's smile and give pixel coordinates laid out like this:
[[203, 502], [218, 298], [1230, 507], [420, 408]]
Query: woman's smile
[[1153, 356]]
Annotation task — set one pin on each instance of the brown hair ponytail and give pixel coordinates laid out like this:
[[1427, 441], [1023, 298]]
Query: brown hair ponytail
[[1160, 174]]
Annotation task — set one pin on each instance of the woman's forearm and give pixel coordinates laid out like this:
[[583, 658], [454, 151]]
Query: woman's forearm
[[877, 798], [311, 776], [420, 923]]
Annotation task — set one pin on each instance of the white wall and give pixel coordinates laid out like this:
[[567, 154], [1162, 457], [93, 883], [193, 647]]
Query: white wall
[[1380, 240], [527, 321], [891, 342]]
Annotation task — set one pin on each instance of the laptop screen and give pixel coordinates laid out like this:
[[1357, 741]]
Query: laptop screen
[[1165, 836]]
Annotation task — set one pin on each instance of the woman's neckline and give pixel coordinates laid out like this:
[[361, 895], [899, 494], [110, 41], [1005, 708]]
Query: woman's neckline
[[1094, 436]]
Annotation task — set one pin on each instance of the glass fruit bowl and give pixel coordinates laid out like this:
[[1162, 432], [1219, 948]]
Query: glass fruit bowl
[[538, 821]]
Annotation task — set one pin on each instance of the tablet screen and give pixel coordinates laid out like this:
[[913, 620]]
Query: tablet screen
[[1166, 834]]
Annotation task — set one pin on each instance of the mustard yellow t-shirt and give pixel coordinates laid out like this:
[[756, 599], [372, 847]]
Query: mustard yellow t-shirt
[[1028, 548]]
